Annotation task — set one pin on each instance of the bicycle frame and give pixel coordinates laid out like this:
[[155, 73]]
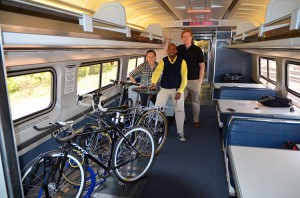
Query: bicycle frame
[[68, 144], [113, 132]]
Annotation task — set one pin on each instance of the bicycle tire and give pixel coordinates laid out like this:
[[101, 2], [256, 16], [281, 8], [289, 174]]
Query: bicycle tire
[[99, 145], [33, 177], [142, 141], [160, 131]]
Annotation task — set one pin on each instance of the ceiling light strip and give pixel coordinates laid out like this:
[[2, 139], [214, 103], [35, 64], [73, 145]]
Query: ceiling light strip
[[47, 7], [250, 4], [164, 5], [252, 9], [230, 8], [71, 6], [138, 4]]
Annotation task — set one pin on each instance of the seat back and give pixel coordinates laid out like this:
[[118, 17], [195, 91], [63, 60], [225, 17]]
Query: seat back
[[244, 93], [261, 131]]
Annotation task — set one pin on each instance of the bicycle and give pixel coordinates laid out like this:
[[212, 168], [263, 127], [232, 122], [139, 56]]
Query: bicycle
[[62, 173], [127, 117], [124, 86]]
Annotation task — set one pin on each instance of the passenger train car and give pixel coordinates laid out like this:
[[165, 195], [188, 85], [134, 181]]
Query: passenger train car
[[54, 50]]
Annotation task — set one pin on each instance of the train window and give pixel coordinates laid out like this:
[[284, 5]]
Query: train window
[[109, 71], [134, 62], [27, 89], [267, 70], [293, 81], [131, 65], [140, 60], [88, 78]]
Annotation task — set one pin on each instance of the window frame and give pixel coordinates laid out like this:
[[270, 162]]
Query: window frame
[[118, 73], [53, 93], [136, 62], [286, 78], [268, 70], [101, 68]]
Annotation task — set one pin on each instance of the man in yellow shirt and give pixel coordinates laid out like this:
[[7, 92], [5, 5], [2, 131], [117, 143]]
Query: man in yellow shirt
[[173, 82]]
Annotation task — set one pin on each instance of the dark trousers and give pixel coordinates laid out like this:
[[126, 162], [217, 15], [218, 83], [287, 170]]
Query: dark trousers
[[144, 99]]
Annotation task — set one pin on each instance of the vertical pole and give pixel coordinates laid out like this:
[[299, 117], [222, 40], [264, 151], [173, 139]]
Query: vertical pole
[[9, 158]]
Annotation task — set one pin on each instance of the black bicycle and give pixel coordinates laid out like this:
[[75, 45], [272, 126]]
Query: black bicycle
[[62, 173], [127, 116]]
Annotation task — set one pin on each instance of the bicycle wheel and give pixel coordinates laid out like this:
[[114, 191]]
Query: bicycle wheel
[[35, 180], [133, 154], [157, 122], [100, 147], [99, 144]]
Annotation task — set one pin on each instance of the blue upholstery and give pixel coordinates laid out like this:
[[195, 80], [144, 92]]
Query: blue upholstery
[[261, 132], [266, 131], [243, 93], [227, 117]]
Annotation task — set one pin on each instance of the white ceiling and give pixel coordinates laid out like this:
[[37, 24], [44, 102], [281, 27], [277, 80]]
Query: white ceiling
[[145, 12]]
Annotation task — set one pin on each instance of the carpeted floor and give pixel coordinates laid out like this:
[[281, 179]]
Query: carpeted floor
[[191, 169]]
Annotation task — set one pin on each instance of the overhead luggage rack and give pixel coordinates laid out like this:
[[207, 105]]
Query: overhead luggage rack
[[75, 31], [285, 30]]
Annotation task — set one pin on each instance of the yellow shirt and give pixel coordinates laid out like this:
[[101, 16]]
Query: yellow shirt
[[160, 67]]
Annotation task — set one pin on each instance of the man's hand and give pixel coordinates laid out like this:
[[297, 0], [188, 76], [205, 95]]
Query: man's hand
[[177, 96], [152, 87]]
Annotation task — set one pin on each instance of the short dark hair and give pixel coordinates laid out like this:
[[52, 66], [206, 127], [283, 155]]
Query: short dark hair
[[149, 51], [172, 44]]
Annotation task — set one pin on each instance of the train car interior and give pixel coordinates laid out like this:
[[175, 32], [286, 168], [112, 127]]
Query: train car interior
[[71, 119]]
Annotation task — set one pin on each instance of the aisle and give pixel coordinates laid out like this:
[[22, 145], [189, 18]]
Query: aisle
[[192, 169]]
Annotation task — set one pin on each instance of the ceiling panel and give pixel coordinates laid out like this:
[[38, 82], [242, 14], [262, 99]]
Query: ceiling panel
[[144, 12], [253, 10]]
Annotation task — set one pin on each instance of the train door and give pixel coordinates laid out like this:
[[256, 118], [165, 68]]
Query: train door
[[204, 42]]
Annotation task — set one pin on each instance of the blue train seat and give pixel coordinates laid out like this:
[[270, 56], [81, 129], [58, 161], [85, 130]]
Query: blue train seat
[[267, 131], [261, 131], [243, 93]]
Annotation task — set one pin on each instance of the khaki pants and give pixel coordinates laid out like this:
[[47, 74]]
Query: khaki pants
[[161, 100], [193, 87]]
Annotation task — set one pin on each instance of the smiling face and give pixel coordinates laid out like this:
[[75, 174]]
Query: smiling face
[[187, 38], [172, 50], [151, 58]]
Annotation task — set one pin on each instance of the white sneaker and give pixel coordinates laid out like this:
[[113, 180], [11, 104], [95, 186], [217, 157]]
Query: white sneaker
[[181, 137]]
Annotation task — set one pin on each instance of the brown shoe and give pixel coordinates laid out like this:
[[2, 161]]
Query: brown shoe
[[196, 124]]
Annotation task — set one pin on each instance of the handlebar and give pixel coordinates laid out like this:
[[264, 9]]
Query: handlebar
[[124, 83], [58, 125], [93, 99]]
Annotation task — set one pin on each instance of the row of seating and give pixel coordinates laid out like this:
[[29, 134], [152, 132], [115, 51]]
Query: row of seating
[[264, 131], [270, 131], [241, 93]]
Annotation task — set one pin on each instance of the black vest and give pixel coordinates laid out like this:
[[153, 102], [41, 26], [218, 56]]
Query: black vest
[[171, 77]]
